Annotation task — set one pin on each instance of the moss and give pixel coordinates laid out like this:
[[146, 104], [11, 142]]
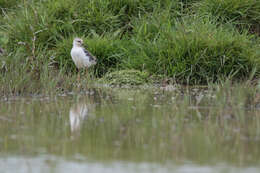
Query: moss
[[126, 77]]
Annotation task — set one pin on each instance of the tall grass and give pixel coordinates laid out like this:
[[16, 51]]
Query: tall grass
[[161, 37], [243, 13], [193, 50], [7, 4]]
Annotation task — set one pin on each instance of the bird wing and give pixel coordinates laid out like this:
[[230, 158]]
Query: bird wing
[[87, 53]]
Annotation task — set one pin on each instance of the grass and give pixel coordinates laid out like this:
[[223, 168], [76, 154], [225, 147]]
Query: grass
[[126, 77], [195, 52], [188, 41], [7, 4], [242, 13]]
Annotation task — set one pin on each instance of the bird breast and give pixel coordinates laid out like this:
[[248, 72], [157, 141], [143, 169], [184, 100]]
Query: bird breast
[[79, 57]]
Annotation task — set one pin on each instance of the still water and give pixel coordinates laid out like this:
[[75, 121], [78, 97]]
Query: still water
[[126, 130]]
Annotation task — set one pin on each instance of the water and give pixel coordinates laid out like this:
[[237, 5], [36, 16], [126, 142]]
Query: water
[[124, 130]]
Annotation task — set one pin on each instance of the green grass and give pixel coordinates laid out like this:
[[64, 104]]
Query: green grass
[[126, 77], [193, 51], [7, 4], [189, 41], [243, 13]]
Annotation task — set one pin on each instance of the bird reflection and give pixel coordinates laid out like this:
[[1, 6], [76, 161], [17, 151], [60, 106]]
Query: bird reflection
[[78, 113]]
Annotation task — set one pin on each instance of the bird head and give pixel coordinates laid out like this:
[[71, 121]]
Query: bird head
[[77, 42]]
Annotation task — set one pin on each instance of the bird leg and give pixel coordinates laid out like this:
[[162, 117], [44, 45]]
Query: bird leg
[[78, 77], [87, 72], [78, 74]]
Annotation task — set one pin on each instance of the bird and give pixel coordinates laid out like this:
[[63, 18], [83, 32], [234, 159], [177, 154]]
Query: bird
[[81, 57]]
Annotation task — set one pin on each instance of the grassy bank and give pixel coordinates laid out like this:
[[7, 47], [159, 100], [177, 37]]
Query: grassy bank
[[185, 41]]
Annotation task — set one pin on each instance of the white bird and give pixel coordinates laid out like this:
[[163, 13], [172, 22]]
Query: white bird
[[80, 56]]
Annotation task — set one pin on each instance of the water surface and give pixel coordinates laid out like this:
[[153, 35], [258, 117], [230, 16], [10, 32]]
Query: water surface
[[126, 130]]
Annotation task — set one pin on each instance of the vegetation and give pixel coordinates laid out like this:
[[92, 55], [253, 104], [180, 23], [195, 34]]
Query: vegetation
[[136, 42], [190, 41], [126, 77], [243, 13]]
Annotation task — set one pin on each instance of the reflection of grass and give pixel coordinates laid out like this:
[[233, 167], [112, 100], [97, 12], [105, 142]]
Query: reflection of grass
[[140, 125]]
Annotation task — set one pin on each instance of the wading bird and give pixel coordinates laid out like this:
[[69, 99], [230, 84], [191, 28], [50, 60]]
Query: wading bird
[[81, 57]]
